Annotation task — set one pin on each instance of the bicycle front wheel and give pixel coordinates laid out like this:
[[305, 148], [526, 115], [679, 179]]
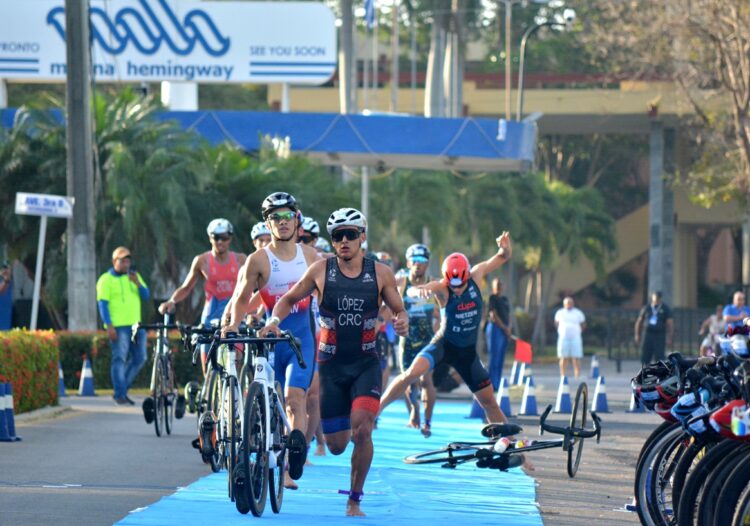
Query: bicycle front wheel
[[253, 475], [169, 395], [159, 421], [214, 402], [276, 475], [233, 431], [577, 420]]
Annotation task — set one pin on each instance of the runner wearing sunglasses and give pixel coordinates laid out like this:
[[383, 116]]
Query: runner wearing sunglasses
[[273, 271], [351, 289], [218, 267], [455, 342]]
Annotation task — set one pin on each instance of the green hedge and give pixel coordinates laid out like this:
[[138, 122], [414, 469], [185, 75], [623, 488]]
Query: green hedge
[[29, 361]]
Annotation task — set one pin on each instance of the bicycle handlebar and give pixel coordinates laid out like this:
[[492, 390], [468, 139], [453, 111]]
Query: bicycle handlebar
[[215, 339], [571, 431]]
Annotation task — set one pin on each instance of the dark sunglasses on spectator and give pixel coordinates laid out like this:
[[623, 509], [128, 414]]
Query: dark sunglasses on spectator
[[282, 216], [306, 239], [124, 258], [350, 235], [221, 238]]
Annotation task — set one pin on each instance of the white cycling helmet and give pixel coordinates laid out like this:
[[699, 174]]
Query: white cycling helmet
[[260, 229], [311, 226], [346, 217], [220, 226]]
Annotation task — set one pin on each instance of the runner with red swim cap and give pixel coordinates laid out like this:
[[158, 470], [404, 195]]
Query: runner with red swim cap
[[455, 343]]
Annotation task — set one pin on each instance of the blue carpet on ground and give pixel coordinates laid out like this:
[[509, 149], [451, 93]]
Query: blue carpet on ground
[[395, 492]]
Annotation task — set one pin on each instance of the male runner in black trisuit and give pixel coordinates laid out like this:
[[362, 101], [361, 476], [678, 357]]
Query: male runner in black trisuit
[[352, 289]]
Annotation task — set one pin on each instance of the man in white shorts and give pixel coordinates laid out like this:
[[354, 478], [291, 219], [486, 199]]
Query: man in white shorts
[[570, 323]]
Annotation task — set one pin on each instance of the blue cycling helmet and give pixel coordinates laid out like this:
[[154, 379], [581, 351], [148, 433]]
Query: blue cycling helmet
[[260, 229], [418, 253]]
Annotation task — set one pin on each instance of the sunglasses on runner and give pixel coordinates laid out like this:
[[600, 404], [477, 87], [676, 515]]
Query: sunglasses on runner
[[350, 235], [221, 238], [277, 217], [306, 239]]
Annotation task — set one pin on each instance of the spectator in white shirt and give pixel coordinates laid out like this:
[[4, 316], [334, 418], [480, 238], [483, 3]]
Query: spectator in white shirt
[[570, 323]]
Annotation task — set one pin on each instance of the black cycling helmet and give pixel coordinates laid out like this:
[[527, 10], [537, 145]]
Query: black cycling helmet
[[656, 384], [278, 200]]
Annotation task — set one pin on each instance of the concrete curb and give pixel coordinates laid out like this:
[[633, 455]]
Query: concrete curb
[[45, 413]]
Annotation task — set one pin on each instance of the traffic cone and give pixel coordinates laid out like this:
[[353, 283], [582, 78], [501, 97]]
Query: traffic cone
[[563, 404], [86, 385], [514, 373], [599, 402], [594, 367], [635, 405], [503, 399], [476, 410], [4, 436], [61, 381], [528, 403], [10, 420], [521, 379]]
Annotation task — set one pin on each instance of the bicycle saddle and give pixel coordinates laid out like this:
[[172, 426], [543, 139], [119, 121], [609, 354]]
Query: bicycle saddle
[[500, 430]]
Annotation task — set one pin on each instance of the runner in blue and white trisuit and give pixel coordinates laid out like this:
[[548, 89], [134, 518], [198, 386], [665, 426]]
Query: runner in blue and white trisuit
[[424, 314], [274, 270], [455, 343]]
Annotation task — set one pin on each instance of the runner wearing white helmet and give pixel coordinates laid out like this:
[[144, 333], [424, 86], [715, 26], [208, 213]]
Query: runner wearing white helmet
[[351, 289], [260, 235], [273, 271]]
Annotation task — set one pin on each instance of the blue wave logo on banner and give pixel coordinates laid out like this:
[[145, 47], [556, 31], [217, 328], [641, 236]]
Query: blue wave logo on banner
[[149, 29]]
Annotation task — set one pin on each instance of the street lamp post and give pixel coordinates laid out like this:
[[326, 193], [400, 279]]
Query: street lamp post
[[569, 16]]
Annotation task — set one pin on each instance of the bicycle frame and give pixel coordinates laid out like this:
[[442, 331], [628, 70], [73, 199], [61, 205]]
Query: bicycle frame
[[266, 377]]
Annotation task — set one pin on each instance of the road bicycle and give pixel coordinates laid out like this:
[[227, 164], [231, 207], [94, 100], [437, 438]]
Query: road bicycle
[[499, 452], [165, 403], [267, 435]]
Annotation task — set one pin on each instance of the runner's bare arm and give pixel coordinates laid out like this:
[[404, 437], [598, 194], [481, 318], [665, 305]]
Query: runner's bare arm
[[307, 284], [392, 299], [195, 272], [246, 286], [480, 270]]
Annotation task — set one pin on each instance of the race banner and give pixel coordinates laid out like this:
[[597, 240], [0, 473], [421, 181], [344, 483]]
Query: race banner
[[174, 40]]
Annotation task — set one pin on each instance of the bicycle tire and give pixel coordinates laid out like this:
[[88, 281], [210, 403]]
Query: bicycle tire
[[169, 396], [276, 476], [732, 486], [742, 510], [659, 489], [690, 458], [712, 490], [645, 472], [254, 455], [580, 404], [158, 398], [688, 504], [232, 433], [641, 468], [213, 398]]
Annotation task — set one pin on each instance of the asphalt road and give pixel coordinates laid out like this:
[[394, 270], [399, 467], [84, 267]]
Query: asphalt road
[[91, 463]]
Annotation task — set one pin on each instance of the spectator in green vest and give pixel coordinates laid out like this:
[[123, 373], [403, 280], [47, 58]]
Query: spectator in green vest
[[119, 293]]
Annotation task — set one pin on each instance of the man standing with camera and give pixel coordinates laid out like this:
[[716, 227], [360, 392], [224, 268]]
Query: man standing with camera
[[119, 293]]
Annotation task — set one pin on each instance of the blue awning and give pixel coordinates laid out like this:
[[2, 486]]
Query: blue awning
[[382, 141]]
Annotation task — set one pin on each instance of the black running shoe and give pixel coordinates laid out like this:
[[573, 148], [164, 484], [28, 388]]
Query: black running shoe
[[148, 409], [296, 445]]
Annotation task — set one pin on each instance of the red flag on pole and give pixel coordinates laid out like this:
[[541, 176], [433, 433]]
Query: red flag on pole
[[523, 351]]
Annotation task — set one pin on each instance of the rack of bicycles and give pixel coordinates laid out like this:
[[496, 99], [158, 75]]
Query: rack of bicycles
[[694, 468]]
